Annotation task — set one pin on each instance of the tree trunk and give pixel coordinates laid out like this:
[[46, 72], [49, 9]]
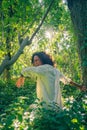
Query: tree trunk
[[78, 10], [8, 44], [8, 48]]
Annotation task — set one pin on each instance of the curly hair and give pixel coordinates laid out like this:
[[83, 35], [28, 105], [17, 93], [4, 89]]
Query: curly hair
[[45, 58]]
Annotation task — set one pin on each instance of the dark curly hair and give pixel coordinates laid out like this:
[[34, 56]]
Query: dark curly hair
[[45, 58]]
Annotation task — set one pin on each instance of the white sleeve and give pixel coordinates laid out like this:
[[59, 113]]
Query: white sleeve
[[39, 70], [64, 79]]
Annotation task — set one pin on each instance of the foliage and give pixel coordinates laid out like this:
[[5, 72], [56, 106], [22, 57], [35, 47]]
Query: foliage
[[16, 112], [57, 119], [9, 93], [55, 34], [56, 37]]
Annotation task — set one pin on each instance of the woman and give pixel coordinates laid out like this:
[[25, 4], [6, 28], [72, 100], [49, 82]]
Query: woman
[[48, 78]]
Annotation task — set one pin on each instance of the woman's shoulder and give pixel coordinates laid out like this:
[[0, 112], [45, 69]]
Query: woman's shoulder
[[46, 67]]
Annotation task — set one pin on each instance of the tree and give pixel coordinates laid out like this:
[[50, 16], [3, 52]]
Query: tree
[[23, 42], [24, 19], [78, 11]]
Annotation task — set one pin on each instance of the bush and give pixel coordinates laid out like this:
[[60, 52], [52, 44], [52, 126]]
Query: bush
[[9, 92], [16, 113]]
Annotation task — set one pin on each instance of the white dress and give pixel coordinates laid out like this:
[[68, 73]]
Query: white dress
[[48, 82]]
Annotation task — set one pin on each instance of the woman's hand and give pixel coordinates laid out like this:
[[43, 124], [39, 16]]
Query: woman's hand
[[20, 82], [83, 88]]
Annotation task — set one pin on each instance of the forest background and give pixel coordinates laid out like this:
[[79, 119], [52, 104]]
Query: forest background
[[58, 27]]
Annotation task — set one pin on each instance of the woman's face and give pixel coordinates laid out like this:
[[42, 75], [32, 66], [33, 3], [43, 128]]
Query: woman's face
[[37, 61]]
